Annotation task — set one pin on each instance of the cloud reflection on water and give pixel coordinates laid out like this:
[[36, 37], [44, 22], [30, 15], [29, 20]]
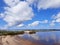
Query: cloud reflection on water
[[44, 37]]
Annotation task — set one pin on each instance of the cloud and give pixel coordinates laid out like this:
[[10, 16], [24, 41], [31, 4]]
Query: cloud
[[40, 4], [32, 2], [20, 25], [19, 11], [52, 23], [35, 23], [55, 19], [45, 4], [1, 15], [11, 2], [16, 14], [44, 21]]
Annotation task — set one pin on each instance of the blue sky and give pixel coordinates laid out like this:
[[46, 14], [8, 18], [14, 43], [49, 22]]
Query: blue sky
[[29, 14]]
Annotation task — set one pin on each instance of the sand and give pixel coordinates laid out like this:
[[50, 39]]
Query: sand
[[0, 40], [17, 40], [14, 40]]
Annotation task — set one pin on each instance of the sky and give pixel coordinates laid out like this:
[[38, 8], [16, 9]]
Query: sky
[[29, 14]]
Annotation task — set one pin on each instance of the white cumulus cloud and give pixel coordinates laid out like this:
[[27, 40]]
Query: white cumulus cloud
[[11, 2], [55, 19], [44, 21], [20, 25], [1, 15], [16, 14], [44, 4], [35, 23]]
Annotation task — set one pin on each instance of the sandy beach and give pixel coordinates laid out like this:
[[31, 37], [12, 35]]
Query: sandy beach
[[14, 40], [17, 40], [0, 40]]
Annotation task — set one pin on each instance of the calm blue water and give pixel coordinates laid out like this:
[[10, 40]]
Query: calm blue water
[[46, 38]]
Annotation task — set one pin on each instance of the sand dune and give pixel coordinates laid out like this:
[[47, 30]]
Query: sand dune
[[14, 40]]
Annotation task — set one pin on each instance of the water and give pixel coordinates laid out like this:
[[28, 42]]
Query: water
[[43, 38]]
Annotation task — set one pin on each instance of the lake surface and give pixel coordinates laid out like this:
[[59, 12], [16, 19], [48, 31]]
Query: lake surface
[[43, 38]]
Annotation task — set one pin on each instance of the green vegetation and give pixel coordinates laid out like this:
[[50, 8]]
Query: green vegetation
[[32, 32], [11, 32], [5, 32]]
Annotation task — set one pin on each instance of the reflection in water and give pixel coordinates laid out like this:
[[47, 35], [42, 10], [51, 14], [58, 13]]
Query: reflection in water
[[44, 38]]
